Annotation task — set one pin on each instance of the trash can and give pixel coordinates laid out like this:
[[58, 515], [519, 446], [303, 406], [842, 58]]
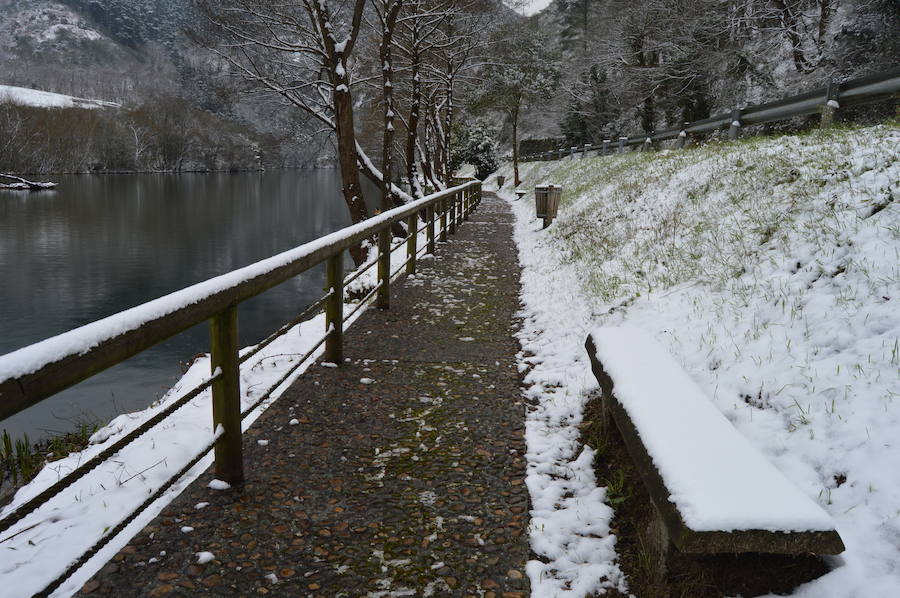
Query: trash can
[[541, 195], [500, 181], [553, 201], [546, 202]]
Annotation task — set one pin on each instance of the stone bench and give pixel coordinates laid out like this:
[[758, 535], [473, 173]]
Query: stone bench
[[712, 491]]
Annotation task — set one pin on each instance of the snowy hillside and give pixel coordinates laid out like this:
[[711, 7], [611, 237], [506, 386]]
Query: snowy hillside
[[45, 99], [770, 269]]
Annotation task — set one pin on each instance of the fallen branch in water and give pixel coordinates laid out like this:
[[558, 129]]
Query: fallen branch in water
[[24, 185]]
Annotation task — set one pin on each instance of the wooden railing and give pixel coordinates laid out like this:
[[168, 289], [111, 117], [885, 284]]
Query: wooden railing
[[36, 372], [825, 101]]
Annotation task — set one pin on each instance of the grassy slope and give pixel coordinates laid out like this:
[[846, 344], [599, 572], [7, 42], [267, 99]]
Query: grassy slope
[[770, 267]]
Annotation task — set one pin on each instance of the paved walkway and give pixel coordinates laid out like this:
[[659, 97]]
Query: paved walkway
[[405, 474]]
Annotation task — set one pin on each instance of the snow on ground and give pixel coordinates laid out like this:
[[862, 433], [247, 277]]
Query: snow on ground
[[40, 547], [770, 269], [45, 99]]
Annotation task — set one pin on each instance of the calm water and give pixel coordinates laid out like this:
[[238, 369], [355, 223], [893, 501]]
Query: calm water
[[101, 244]]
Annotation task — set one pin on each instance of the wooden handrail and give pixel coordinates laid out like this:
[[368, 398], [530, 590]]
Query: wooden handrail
[[34, 373]]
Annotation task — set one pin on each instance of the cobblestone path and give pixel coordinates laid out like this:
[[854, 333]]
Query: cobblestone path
[[404, 475]]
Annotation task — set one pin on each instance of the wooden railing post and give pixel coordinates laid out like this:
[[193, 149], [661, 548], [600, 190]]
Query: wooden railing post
[[429, 230], [226, 396], [383, 301], [605, 149], [584, 150], [412, 223], [467, 203], [334, 309], [443, 208], [452, 215], [622, 141]]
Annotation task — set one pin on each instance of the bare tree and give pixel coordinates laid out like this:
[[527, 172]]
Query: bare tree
[[415, 40], [301, 51], [388, 11], [457, 58], [524, 70]]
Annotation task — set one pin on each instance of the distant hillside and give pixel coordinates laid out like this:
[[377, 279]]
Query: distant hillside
[[134, 23], [132, 53], [647, 65]]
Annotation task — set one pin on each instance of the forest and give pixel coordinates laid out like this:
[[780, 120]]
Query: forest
[[420, 86]]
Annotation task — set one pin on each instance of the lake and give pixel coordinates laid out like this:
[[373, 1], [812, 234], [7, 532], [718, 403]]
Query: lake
[[102, 244]]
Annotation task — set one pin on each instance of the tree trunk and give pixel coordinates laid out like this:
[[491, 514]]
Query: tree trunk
[[346, 138], [391, 10], [413, 126], [438, 136], [342, 103], [23, 184], [789, 26], [515, 144], [824, 22], [448, 123]]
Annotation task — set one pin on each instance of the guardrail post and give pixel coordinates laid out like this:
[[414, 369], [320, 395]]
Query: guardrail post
[[429, 229], [605, 149], [735, 128], [383, 300], [622, 141], [226, 396], [572, 152], [334, 309], [443, 208], [467, 205], [412, 223], [584, 150], [830, 107]]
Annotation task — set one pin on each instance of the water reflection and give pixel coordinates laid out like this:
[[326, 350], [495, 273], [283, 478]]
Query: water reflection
[[101, 244]]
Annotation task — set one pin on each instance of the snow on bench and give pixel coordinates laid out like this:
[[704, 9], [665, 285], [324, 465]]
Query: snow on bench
[[714, 492]]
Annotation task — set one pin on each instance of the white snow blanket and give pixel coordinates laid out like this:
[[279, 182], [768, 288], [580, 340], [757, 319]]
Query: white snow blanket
[[768, 269], [35, 98]]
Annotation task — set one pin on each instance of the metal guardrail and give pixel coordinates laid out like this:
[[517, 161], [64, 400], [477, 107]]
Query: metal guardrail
[[824, 100], [34, 373]]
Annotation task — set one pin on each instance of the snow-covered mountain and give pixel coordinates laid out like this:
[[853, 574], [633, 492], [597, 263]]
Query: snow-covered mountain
[[24, 96], [94, 49]]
